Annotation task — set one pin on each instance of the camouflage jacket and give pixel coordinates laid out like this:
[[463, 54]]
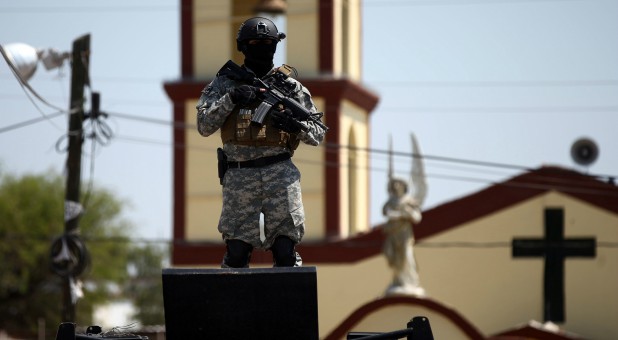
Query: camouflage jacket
[[215, 105]]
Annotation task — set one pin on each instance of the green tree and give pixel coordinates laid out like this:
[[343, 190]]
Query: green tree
[[31, 216], [145, 286]]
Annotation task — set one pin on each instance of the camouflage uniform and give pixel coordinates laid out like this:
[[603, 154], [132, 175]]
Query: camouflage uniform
[[273, 190]]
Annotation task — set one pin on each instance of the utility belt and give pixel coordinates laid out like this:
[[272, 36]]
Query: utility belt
[[223, 163]]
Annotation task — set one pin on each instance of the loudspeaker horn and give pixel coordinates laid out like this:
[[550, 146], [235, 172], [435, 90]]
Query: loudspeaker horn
[[584, 151]]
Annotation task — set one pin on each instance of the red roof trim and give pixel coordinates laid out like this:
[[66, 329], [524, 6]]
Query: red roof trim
[[513, 191], [358, 315], [332, 90], [446, 216]]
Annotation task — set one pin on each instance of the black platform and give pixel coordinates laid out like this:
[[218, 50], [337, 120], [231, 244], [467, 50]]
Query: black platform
[[257, 303]]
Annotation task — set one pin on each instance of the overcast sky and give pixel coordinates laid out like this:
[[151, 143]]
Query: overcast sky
[[488, 87]]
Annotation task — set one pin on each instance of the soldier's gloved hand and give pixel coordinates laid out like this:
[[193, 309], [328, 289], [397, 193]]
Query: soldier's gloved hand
[[283, 120], [244, 94]]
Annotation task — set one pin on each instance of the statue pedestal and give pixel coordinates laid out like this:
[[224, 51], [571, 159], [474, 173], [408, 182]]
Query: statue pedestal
[[408, 290]]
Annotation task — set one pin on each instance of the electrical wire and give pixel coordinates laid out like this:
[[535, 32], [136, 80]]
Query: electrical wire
[[85, 9], [494, 84], [98, 132], [102, 134], [28, 90], [248, 6], [547, 182], [31, 122], [166, 241], [24, 84], [333, 147], [406, 3], [44, 115], [497, 109], [175, 124]]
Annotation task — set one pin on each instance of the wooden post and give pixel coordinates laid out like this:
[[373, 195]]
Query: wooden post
[[79, 78]]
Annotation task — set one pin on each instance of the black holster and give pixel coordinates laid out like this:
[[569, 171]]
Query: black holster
[[221, 164]]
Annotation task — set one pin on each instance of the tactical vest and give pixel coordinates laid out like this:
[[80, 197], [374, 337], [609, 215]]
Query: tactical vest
[[237, 129]]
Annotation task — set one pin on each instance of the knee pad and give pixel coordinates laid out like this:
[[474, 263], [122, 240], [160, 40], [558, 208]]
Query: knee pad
[[238, 254], [284, 254]]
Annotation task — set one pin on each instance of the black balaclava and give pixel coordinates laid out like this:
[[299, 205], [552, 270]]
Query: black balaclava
[[259, 57]]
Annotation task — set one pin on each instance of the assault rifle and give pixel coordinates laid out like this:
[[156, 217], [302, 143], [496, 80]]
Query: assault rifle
[[278, 91]]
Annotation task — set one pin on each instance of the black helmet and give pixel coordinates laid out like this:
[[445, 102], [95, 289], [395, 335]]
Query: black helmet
[[257, 28]]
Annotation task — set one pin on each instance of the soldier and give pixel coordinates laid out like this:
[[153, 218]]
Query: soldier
[[258, 175]]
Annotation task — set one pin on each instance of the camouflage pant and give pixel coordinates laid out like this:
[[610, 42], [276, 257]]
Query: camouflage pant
[[273, 190]]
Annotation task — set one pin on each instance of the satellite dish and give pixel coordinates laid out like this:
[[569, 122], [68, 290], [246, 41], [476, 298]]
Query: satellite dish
[[584, 151]]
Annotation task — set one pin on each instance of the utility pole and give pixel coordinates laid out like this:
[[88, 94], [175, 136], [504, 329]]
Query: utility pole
[[79, 79]]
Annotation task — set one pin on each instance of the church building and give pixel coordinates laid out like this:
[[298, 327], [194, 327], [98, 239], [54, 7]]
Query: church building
[[533, 257]]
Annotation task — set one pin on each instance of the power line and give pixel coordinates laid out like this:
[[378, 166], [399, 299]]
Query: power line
[[329, 146], [102, 78], [504, 109], [431, 157], [184, 125], [128, 102], [82, 9], [411, 83], [399, 83], [168, 241], [172, 8], [24, 84], [30, 122], [406, 3], [494, 83], [177, 125], [28, 90], [564, 185], [332, 147]]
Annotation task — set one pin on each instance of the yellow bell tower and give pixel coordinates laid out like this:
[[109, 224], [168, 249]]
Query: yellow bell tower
[[324, 44]]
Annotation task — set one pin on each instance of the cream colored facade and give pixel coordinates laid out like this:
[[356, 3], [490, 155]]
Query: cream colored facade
[[215, 26], [216, 23], [470, 269], [495, 291], [467, 267]]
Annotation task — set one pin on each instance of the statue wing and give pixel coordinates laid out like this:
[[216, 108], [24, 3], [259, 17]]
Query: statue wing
[[418, 184]]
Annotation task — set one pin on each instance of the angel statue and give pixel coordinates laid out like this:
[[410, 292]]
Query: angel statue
[[403, 210]]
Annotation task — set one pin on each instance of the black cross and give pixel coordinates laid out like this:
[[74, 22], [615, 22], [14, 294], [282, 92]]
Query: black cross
[[555, 249]]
